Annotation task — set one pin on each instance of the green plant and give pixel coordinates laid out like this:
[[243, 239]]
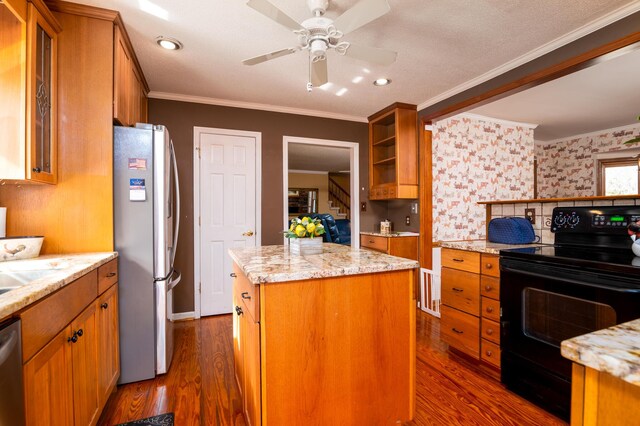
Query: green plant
[[304, 228], [634, 140]]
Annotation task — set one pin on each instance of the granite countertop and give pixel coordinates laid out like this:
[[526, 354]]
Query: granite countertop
[[483, 246], [270, 264], [49, 273], [614, 350], [392, 234]]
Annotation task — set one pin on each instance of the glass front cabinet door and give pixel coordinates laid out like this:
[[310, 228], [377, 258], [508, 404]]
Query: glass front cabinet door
[[41, 98]]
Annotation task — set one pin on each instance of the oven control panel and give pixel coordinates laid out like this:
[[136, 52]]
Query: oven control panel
[[605, 219]]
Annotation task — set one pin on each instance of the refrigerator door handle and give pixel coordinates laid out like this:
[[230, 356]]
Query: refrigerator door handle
[[176, 231], [174, 282]]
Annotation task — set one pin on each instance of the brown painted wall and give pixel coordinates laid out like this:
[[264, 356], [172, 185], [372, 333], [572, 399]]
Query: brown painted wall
[[181, 117]]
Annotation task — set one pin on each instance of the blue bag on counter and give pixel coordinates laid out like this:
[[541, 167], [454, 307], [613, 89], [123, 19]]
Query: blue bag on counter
[[511, 230]]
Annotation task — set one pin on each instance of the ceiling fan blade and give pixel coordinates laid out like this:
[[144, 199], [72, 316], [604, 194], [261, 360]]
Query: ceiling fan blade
[[269, 56], [361, 14], [272, 12], [319, 74], [371, 54]]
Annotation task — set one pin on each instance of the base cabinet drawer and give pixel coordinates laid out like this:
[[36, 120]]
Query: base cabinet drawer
[[461, 290], [490, 353], [460, 259], [373, 242], [490, 331], [491, 309], [461, 331]]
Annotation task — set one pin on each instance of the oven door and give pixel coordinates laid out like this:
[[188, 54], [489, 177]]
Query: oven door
[[544, 304]]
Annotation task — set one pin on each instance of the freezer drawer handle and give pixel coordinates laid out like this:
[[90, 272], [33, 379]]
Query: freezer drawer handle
[[245, 295]]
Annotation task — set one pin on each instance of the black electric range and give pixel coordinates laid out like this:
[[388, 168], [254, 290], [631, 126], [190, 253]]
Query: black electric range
[[588, 280]]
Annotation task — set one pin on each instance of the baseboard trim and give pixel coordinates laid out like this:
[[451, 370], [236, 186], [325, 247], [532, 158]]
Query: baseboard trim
[[183, 316]]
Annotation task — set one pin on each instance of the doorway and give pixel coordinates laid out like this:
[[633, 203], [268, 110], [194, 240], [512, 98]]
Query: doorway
[[227, 199], [322, 157]]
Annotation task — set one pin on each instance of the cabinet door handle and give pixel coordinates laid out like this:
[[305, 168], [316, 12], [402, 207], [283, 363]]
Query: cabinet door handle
[[105, 305], [457, 290], [73, 338], [245, 295], [488, 266], [233, 275], [37, 170], [111, 274], [489, 309], [80, 333], [457, 260], [455, 330], [239, 310]]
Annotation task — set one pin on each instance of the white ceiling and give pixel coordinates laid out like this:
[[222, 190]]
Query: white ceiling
[[600, 97], [441, 45], [318, 158]]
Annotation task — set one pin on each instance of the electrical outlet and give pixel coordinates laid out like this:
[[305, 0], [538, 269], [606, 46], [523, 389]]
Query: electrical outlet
[[408, 220], [414, 208], [531, 215]]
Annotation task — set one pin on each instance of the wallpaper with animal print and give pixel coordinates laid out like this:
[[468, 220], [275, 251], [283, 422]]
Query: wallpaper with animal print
[[566, 168], [476, 160]]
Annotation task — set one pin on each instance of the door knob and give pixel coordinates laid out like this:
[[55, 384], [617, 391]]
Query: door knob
[[248, 234]]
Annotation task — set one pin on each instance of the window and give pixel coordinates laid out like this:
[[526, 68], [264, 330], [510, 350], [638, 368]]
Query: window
[[618, 176]]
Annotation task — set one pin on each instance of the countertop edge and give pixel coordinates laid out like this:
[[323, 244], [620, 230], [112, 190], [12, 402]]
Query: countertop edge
[[39, 289], [476, 246]]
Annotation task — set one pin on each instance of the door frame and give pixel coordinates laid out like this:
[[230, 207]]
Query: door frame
[[354, 170], [197, 131]]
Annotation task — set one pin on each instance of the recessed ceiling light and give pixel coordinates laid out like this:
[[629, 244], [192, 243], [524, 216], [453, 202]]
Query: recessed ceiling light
[[169, 43], [358, 79], [366, 70], [382, 82]]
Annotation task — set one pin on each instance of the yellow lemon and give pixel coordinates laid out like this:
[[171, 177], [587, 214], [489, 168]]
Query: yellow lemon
[[300, 231], [311, 227]]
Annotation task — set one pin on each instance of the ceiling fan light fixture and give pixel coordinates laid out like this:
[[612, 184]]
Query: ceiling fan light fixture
[[169, 43], [382, 82]]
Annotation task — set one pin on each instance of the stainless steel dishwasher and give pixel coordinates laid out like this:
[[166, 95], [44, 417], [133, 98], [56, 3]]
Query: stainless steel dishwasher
[[11, 394]]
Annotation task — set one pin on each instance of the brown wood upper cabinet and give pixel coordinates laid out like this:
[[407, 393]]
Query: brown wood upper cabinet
[[393, 153], [28, 105], [129, 87]]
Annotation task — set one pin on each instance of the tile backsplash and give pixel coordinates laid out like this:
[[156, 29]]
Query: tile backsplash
[[542, 225]]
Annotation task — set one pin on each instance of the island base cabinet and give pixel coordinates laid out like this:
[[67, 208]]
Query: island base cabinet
[[600, 399], [48, 383], [252, 372], [337, 351]]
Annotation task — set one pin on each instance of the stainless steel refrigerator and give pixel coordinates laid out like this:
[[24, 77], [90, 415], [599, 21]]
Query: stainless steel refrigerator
[[146, 223]]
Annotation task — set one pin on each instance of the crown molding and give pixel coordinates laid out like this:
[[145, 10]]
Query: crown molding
[[496, 120], [252, 105], [594, 133], [571, 36]]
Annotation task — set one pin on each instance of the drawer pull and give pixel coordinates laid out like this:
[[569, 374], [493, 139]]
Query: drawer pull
[[489, 353], [489, 309], [490, 331], [457, 260], [245, 295], [457, 290], [488, 266], [488, 288], [105, 305], [111, 274], [233, 275], [371, 241], [455, 330]]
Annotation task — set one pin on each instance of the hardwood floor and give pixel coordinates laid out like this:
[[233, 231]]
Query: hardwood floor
[[200, 387]]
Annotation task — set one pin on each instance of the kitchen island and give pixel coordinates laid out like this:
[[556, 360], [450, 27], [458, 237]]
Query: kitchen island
[[327, 338], [605, 386]]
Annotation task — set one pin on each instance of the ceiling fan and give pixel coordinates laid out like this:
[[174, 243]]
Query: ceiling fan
[[319, 34]]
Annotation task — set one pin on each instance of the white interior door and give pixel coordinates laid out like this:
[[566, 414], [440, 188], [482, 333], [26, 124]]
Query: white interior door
[[227, 184]]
